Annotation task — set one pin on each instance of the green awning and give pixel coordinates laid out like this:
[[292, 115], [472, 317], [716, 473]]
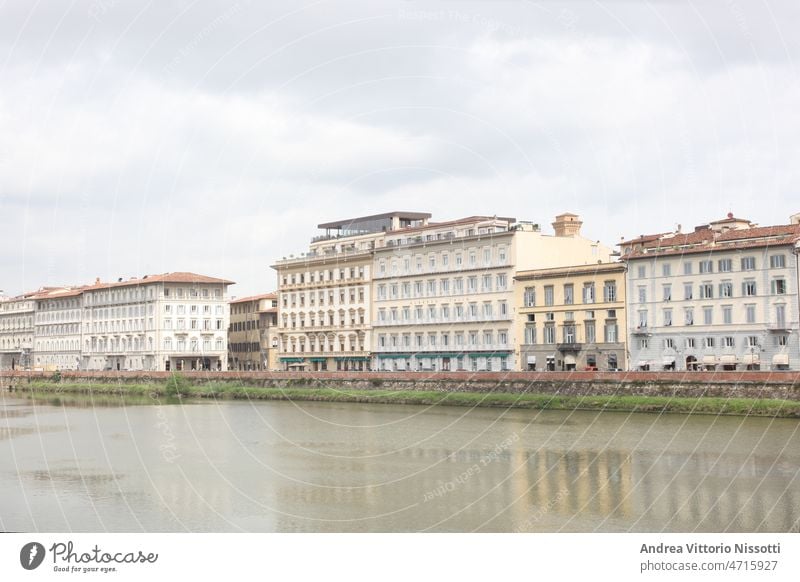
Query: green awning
[[437, 355], [317, 359], [489, 355], [352, 358], [293, 360], [393, 356]]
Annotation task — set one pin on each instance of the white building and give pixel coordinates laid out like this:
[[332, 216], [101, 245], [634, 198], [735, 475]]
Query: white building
[[16, 331], [443, 293], [174, 321], [723, 297], [57, 333]]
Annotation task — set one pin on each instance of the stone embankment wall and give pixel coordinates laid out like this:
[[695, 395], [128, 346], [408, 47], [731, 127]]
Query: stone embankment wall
[[776, 385]]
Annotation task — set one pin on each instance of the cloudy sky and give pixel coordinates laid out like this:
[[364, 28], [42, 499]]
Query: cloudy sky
[[145, 137]]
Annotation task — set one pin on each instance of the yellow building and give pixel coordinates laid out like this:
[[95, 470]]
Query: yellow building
[[571, 318], [253, 333]]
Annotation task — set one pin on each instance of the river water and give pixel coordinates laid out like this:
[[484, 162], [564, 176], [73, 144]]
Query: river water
[[76, 464]]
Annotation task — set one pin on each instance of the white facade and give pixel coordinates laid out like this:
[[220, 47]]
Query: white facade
[[443, 294], [16, 331], [724, 297], [172, 322], [57, 339]]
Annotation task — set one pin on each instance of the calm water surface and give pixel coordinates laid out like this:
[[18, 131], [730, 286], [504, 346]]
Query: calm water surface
[[81, 465]]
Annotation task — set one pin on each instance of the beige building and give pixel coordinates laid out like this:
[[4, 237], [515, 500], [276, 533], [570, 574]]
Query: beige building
[[253, 334], [571, 318], [444, 292], [324, 296]]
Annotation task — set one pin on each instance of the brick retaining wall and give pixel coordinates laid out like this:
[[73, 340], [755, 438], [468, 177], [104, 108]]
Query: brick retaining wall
[[780, 385]]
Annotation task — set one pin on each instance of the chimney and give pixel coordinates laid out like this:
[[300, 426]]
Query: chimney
[[567, 224], [794, 218]]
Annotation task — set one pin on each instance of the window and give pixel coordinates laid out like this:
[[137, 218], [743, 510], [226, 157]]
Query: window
[[706, 266], [687, 268], [780, 340], [643, 318], [458, 286], [708, 315], [487, 256], [667, 292], [689, 342], [609, 291], [750, 313], [530, 334], [472, 284], [666, 270], [588, 292], [749, 288], [530, 297], [726, 289], [444, 286], [708, 342], [644, 343], [502, 281], [669, 343], [725, 265], [431, 287], [548, 295], [487, 283], [727, 314], [780, 316], [590, 331], [569, 294], [748, 263], [549, 334], [688, 316], [687, 291], [641, 271], [777, 261], [779, 285], [610, 333], [728, 341], [642, 294], [706, 291], [667, 317]]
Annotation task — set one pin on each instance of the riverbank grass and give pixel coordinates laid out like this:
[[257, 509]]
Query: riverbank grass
[[618, 403]]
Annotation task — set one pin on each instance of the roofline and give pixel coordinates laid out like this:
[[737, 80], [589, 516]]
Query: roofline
[[400, 214], [570, 270]]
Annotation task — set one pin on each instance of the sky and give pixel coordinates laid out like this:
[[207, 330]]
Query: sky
[[147, 137]]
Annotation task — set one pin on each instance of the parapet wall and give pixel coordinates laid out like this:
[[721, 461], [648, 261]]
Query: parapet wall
[[773, 385]]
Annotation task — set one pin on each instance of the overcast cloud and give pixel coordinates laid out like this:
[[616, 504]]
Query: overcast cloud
[[145, 137]]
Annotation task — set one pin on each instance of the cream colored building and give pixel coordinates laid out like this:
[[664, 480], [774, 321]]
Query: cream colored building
[[16, 331], [324, 296], [57, 333], [169, 322], [571, 318], [253, 334], [444, 292]]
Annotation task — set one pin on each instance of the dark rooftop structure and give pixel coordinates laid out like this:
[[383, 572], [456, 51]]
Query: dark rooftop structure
[[385, 222]]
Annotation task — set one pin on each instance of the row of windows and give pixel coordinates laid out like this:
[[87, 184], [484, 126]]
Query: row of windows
[[435, 288], [588, 294], [776, 261], [485, 338], [192, 292], [118, 312], [59, 346], [193, 309], [706, 290], [249, 307], [710, 342], [48, 317], [118, 295], [16, 323], [570, 333], [708, 311], [323, 275], [207, 324], [325, 319], [570, 315], [53, 305], [71, 328], [194, 344], [322, 345], [354, 295], [435, 262], [238, 347], [124, 325], [443, 313], [118, 344], [16, 306], [14, 343]]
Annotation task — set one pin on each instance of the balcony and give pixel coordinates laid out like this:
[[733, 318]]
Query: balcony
[[569, 347], [641, 330]]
